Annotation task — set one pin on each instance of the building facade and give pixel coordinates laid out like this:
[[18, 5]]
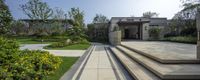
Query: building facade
[[134, 28]]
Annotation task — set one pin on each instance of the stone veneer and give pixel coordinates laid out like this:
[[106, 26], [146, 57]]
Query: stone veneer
[[115, 38]]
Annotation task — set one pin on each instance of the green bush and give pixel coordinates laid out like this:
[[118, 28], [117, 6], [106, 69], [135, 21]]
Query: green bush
[[154, 33], [182, 39], [67, 43], [25, 65]]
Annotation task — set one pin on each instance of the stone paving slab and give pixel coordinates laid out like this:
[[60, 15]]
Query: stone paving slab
[[98, 66], [164, 50], [166, 71]]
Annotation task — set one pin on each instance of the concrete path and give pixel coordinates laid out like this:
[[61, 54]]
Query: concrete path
[[67, 53], [33, 46], [98, 66]]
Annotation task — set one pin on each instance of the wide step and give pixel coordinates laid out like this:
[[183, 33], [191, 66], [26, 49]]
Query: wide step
[[136, 70], [165, 71]]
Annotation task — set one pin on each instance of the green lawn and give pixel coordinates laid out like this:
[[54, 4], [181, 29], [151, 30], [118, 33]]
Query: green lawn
[[71, 47], [64, 67], [31, 41]]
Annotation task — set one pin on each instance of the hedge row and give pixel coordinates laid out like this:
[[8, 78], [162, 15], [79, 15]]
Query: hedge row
[[182, 39]]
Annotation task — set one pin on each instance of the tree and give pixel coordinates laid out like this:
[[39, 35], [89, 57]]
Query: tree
[[5, 18], [150, 14], [59, 14], [99, 18], [77, 16], [35, 9], [190, 4], [77, 32]]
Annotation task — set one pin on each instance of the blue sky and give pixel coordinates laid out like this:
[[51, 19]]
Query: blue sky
[[109, 8]]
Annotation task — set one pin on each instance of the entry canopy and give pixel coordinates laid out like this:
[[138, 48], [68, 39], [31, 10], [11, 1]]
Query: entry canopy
[[131, 22]]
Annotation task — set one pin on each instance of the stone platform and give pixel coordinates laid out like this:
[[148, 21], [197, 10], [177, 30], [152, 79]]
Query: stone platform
[[164, 52]]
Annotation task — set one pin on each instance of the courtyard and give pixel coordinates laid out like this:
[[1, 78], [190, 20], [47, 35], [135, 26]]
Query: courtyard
[[100, 40]]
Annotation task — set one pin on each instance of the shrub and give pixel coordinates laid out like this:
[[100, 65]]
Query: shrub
[[154, 33], [67, 43], [189, 32], [25, 65], [171, 34], [182, 39], [8, 45]]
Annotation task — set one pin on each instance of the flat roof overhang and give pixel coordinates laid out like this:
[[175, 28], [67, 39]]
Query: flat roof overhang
[[131, 22]]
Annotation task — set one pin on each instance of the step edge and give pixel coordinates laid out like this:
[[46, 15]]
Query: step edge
[[132, 73], [162, 60], [156, 72]]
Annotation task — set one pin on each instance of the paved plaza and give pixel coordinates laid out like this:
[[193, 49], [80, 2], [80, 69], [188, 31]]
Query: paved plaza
[[165, 50]]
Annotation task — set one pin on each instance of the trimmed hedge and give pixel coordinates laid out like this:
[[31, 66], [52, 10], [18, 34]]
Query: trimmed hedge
[[26, 64], [182, 39]]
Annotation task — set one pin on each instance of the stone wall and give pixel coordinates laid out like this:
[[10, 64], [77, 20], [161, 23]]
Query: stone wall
[[145, 33], [115, 38]]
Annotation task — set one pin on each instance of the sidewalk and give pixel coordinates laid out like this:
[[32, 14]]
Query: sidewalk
[[98, 66]]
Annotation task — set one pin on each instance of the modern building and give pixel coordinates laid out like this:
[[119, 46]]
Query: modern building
[[135, 28]]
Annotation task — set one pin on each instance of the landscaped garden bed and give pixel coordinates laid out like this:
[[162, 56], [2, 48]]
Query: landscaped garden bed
[[18, 64], [70, 47]]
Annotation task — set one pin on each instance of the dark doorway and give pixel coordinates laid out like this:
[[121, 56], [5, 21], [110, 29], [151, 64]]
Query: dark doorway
[[126, 33]]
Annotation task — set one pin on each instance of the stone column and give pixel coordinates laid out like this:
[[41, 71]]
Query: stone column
[[198, 32], [115, 38]]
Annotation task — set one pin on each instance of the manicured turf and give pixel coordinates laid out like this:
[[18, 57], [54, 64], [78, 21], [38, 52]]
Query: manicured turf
[[71, 47], [64, 67], [31, 41]]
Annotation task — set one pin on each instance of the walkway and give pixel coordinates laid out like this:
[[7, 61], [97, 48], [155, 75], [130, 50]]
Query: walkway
[[67, 53], [98, 66]]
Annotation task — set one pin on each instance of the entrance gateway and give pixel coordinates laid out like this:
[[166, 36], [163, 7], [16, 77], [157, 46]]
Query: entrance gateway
[[131, 30], [131, 27], [134, 28]]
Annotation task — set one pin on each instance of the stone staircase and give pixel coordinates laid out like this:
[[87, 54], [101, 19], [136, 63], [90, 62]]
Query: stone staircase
[[146, 67]]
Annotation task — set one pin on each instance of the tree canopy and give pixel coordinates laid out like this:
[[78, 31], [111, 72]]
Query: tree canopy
[[150, 14], [36, 9], [190, 4], [5, 18], [59, 14], [77, 16], [99, 18]]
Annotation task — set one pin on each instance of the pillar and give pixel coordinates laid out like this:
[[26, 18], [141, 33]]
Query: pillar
[[198, 32]]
